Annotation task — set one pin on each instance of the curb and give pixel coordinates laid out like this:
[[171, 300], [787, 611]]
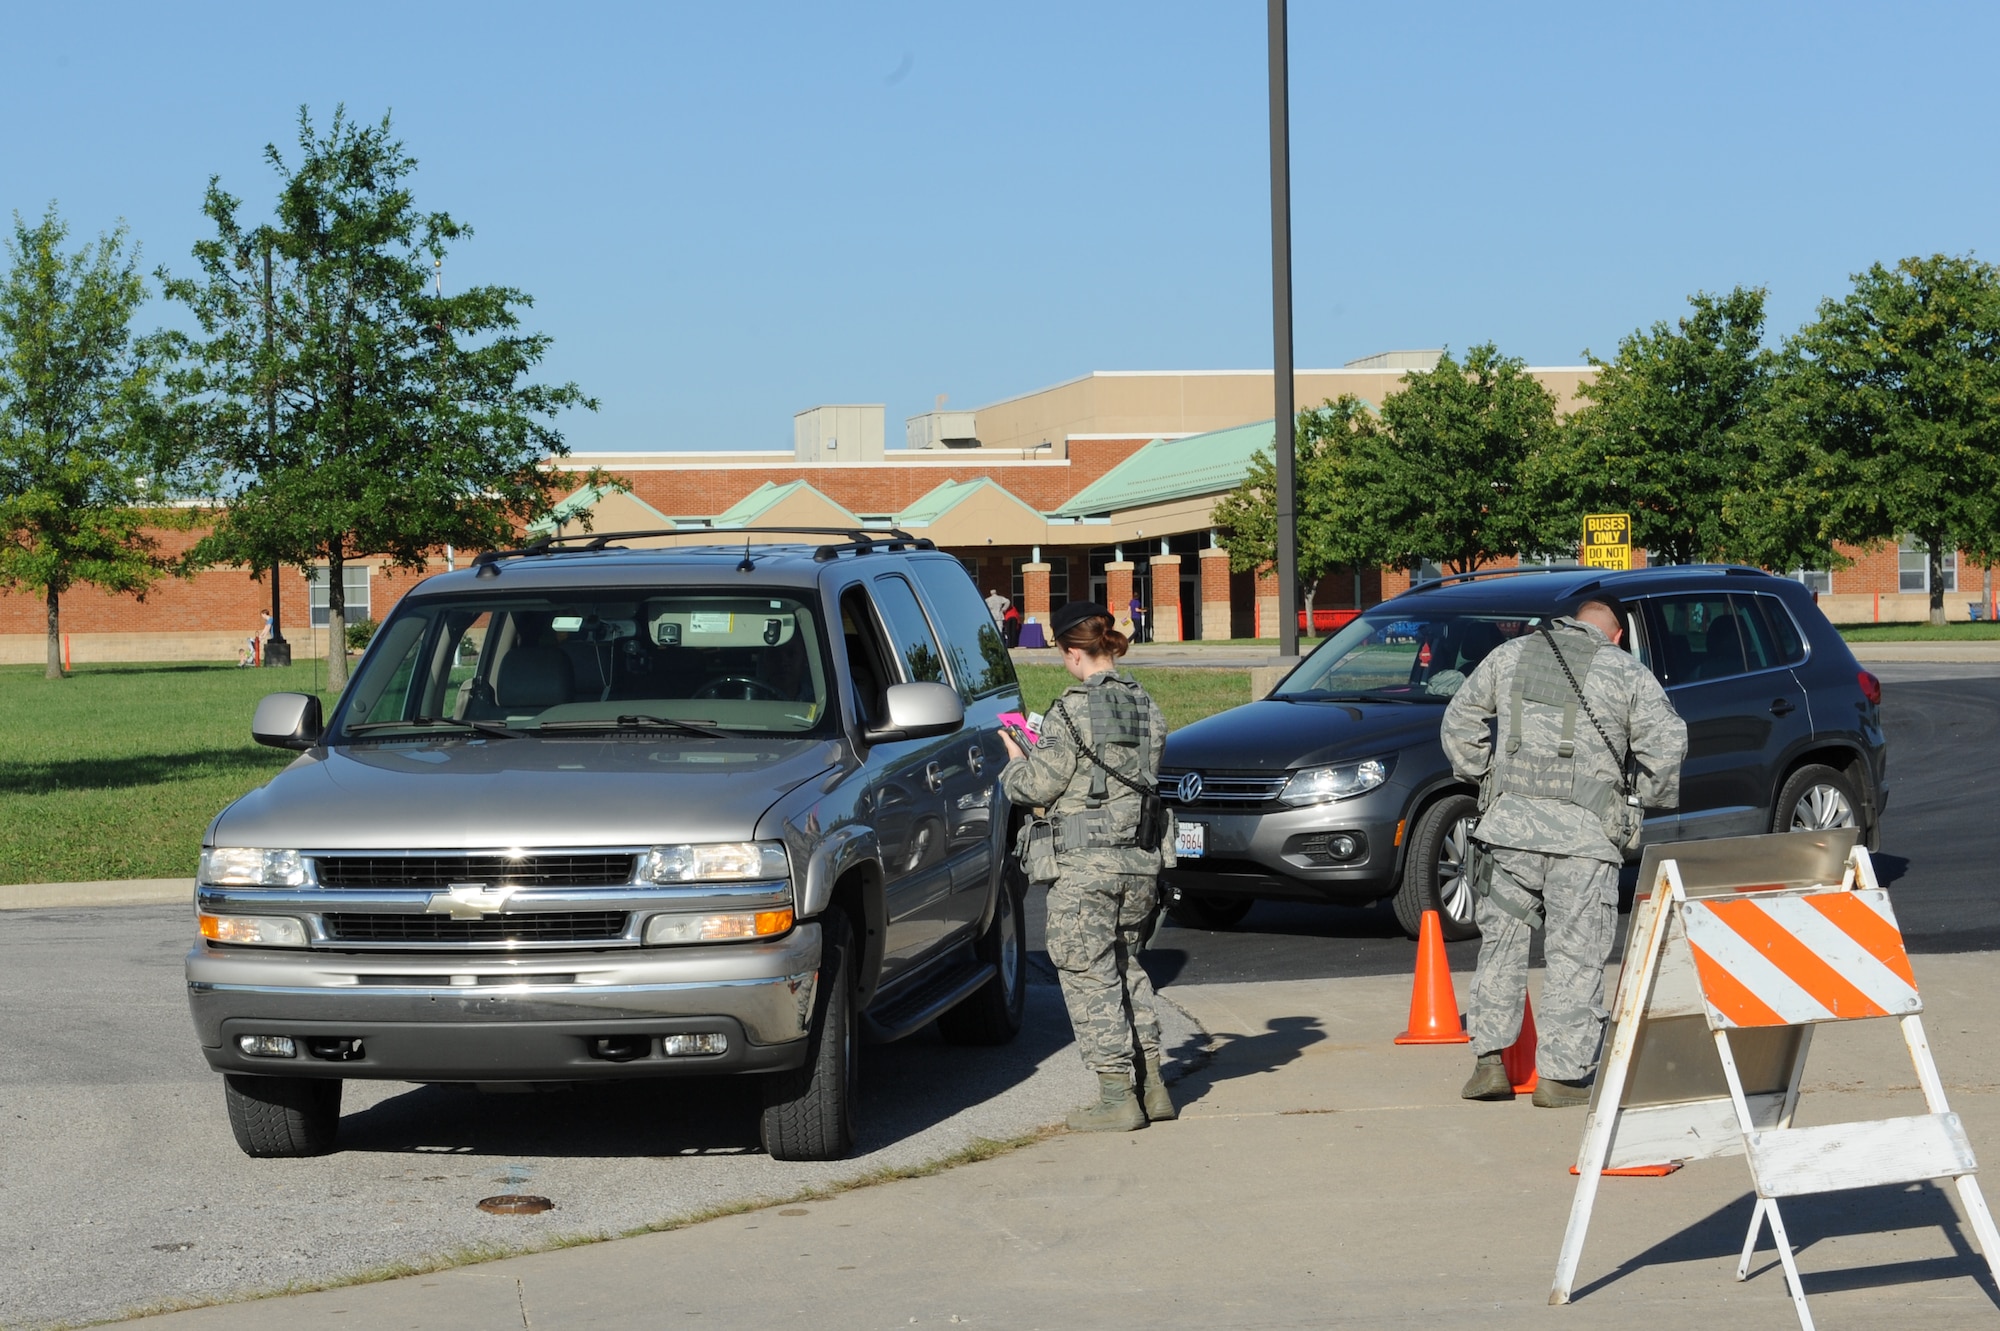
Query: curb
[[121, 892]]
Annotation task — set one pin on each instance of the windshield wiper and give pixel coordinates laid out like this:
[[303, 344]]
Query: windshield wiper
[[635, 721], [493, 728]]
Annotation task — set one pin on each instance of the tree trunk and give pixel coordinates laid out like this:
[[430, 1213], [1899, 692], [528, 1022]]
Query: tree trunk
[[1310, 587], [1935, 554], [55, 670], [336, 622]]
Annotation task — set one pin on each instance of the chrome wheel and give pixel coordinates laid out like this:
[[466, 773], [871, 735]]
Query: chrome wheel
[[1454, 889], [1821, 807]]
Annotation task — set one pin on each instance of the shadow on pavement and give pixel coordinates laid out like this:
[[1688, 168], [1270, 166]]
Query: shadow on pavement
[[1861, 1213], [1230, 1056], [906, 1088]]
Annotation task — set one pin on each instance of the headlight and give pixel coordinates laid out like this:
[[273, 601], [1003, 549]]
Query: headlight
[[253, 930], [1323, 785], [714, 861], [231, 866], [717, 928]]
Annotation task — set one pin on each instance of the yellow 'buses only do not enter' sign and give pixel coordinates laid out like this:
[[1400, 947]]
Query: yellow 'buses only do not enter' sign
[[1607, 540]]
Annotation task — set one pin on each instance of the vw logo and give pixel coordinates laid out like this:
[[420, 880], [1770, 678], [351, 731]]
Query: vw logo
[[1190, 788]]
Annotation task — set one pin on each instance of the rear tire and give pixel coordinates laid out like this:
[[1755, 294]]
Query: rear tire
[[1815, 799], [1196, 910], [283, 1117], [1434, 870], [993, 1014], [809, 1110]]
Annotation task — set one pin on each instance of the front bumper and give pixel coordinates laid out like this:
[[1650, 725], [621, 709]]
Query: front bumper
[[1263, 852], [497, 1017]]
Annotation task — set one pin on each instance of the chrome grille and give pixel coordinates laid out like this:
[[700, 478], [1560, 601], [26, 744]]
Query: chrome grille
[[1224, 787], [439, 871], [563, 926]]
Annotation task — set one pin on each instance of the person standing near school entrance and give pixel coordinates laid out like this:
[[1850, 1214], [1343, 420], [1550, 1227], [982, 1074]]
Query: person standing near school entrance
[[1570, 739], [996, 605], [1096, 770]]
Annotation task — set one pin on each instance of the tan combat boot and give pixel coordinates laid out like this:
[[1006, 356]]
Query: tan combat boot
[[1489, 1080], [1153, 1095], [1553, 1094], [1116, 1108]]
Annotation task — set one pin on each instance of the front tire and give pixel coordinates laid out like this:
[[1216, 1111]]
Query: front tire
[[993, 1014], [1434, 870], [1816, 799], [809, 1110], [1196, 910], [283, 1117]]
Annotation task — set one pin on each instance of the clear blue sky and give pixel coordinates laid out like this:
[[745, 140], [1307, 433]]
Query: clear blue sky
[[727, 213]]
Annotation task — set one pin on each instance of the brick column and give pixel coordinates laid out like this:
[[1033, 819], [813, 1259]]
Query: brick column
[[1214, 594], [1035, 591], [1118, 593], [1269, 625], [1165, 624]]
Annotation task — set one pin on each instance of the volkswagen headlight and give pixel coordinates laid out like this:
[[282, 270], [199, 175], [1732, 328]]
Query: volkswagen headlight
[[238, 866], [1324, 785], [714, 862]]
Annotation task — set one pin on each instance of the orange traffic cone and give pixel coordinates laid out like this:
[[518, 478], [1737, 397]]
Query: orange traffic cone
[[1519, 1057], [1433, 1002]]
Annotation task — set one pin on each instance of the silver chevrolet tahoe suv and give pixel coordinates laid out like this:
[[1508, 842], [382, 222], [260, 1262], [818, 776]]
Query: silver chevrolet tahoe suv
[[592, 811]]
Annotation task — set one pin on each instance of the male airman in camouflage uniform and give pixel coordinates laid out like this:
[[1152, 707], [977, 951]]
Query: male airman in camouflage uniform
[[1557, 810], [1106, 885]]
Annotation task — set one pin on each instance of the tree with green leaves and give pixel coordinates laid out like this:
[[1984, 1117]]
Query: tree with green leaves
[[80, 421], [1328, 536], [1892, 394], [1446, 477], [1674, 432], [351, 406]]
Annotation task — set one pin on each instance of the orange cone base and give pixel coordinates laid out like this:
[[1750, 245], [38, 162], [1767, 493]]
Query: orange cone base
[[1639, 1171], [1519, 1057], [1434, 1015]]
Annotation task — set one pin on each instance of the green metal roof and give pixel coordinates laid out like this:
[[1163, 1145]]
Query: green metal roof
[[761, 500], [583, 501], [950, 495], [1201, 464]]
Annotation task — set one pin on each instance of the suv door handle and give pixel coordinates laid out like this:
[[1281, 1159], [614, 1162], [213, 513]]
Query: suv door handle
[[1783, 707], [975, 758], [933, 776]]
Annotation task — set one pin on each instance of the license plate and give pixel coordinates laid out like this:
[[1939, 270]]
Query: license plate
[[1190, 841]]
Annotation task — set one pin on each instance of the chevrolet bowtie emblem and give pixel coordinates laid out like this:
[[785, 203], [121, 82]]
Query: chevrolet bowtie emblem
[[470, 901]]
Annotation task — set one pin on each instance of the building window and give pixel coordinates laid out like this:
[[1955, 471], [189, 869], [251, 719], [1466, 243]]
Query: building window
[[971, 566], [1913, 571], [1817, 580], [354, 582], [1058, 583], [1549, 559]]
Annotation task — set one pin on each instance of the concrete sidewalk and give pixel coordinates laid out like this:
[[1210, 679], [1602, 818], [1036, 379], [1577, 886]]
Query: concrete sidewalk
[[117, 892], [1320, 1176]]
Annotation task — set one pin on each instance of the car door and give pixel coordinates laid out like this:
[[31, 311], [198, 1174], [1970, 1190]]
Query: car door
[[906, 782], [1714, 652]]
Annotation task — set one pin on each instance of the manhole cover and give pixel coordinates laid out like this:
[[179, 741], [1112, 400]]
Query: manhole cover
[[516, 1203]]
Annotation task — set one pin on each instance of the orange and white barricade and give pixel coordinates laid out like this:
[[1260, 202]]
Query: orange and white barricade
[[1743, 945]]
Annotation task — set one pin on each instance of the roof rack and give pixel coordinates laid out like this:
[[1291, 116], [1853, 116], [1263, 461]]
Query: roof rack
[[1451, 579], [860, 540]]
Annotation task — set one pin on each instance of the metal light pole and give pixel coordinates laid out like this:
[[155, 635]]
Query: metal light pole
[[1281, 336]]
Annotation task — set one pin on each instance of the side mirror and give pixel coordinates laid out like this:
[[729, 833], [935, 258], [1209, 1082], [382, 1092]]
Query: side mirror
[[918, 711], [287, 721]]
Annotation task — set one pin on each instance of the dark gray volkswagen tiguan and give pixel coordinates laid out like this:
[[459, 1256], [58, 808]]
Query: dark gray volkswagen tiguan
[[1335, 789]]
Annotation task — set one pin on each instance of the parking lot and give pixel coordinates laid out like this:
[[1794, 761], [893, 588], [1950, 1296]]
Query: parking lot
[[124, 1190]]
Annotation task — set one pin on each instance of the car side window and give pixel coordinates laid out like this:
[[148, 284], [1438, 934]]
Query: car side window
[[1697, 638], [910, 639], [867, 658], [978, 656], [1787, 641]]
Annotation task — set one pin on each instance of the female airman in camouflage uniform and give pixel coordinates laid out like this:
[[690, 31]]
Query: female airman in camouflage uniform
[[1100, 748]]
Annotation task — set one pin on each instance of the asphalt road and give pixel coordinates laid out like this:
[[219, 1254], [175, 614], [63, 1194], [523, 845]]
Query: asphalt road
[[1940, 853]]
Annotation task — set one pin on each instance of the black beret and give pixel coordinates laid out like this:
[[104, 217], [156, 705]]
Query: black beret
[[1074, 613]]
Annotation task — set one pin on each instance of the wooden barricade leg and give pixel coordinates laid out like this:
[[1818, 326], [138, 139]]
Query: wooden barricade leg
[[1767, 1207], [1969, 1194]]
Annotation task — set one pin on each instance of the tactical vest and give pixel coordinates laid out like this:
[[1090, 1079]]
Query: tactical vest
[[1518, 769], [1121, 733]]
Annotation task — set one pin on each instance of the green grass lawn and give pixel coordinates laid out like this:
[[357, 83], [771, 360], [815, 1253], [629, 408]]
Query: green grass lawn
[[115, 772], [1982, 632], [1184, 694]]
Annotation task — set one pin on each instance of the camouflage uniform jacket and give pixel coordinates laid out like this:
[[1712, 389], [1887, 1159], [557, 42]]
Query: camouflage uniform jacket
[[1539, 795], [1095, 813]]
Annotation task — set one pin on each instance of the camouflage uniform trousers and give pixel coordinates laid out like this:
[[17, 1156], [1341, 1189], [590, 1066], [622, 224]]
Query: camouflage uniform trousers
[[1580, 897], [1097, 924]]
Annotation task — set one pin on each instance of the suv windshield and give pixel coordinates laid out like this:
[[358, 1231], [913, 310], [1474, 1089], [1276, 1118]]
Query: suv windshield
[[574, 663], [1402, 656]]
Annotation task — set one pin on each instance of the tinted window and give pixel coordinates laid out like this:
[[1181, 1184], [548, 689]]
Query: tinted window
[[910, 640], [1713, 637], [1412, 654], [1786, 639], [978, 656]]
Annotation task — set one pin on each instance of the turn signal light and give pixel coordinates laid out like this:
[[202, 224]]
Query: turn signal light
[[718, 928]]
